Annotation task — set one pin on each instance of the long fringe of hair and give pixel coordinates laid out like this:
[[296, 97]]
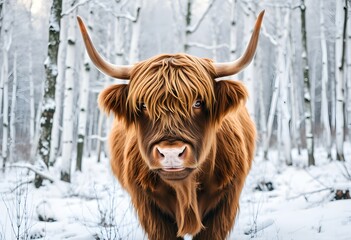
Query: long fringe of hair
[[170, 83]]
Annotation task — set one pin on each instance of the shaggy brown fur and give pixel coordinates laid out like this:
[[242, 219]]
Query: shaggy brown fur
[[220, 134]]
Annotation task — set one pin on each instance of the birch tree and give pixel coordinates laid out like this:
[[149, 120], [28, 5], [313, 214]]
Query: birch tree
[[348, 70], [83, 102], [307, 88], [67, 138], [340, 21], [233, 30], [31, 88], [1, 6], [48, 102], [295, 116], [4, 95], [5, 109], [57, 120], [324, 91], [187, 26], [283, 69], [102, 117], [248, 76], [272, 110], [12, 111], [134, 45]]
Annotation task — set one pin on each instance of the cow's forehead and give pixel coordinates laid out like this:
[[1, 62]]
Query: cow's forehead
[[171, 83]]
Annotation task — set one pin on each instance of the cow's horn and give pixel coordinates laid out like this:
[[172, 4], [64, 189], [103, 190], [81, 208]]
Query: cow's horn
[[115, 71], [231, 68]]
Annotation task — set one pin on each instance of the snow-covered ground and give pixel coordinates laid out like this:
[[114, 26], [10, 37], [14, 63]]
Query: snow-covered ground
[[301, 205]]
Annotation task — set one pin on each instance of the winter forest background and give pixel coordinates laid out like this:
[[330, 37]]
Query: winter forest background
[[53, 136]]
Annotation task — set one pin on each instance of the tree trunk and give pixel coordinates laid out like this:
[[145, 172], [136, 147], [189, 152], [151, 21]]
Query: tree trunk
[[188, 18], [5, 97], [307, 89], [48, 103], [233, 30], [348, 70], [99, 134], [1, 7], [83, 103], [134, 45], [324, 91], [68, 117], [284, 65], [295, 120], [341, 20], [249, 72], [57, 121], [271, 115], [13, 111]]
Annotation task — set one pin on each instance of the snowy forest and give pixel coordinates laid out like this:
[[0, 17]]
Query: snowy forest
[[55, 176]]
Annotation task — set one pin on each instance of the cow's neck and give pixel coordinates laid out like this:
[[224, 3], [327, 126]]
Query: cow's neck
[[187, 212]]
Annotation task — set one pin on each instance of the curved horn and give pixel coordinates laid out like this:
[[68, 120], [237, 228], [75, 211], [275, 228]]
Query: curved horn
[[115, 71], [231, 68]]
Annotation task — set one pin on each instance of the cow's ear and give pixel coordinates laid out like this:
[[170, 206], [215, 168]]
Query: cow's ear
[[114, 99], [229, 96]]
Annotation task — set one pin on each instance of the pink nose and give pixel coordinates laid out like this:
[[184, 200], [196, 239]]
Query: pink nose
[[170, 157]]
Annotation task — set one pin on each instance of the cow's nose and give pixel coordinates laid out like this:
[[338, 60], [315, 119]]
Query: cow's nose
[[170, 157], [176, 152]]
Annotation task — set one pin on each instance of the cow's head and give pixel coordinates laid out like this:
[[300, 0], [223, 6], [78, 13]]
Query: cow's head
[[174, 104]]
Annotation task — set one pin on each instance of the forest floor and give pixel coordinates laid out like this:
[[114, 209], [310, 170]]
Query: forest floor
[[278, 202]]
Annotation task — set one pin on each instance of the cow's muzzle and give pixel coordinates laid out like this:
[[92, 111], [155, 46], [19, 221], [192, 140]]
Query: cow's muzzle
[[174, 160]]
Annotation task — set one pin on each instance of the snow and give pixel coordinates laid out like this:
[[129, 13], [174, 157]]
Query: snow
[[301, 205]]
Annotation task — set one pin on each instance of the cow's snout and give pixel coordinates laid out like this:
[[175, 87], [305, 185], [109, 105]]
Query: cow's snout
[[172, 156]]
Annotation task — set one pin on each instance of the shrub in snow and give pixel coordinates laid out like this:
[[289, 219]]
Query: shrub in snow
[[37, 233], [264, 186], [342, 194], [44, 212]]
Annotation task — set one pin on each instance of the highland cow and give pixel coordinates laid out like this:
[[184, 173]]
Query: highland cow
[[182, 142]]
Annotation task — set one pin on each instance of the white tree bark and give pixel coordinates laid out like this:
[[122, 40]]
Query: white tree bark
[[61, 59], [271, 115], [83, 102], [5, 97], [283, 68], [249, 72], [307, 89], [339, 71], [233, 30], [102, 117], [348, 70], [13, 111], [295, 120], [67, 136], [99, 134], [31, 87], [324, 91], [48, 102], [134, 45], [83, 108]]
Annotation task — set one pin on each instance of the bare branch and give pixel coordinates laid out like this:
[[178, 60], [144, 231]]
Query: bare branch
[[70, 10], [193, 28], [100, 138], [311, 192], [269, 36], [204, 46], [21, 184], [127, 16], [180, 8], [33, 169]]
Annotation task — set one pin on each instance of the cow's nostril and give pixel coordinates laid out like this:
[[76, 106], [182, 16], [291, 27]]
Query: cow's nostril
[[182, 153], [160, 153]]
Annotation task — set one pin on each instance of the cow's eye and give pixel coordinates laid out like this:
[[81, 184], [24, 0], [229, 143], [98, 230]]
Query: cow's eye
[[198, 104], [143, 106]]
